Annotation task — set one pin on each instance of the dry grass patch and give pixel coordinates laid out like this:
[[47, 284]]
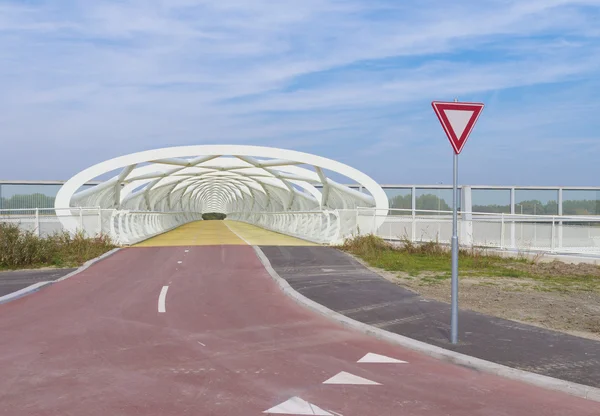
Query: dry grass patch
[[554, 295], [22, 249]]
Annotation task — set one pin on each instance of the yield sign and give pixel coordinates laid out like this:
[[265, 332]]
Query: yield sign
[[458, 119]]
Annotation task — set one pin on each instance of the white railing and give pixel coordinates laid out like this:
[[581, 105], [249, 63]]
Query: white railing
[[123, 227], [130, 227], [317, 226], [546, 233], [552, 234]]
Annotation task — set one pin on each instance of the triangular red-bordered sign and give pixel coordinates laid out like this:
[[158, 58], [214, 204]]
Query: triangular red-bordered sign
[[458, 119]]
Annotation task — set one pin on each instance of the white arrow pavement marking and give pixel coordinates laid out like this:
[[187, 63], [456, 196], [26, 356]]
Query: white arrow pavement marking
[[376, 358], [347, 378], [458, 120], [187, 251], [297, 406], [162, 299], [179, 262]]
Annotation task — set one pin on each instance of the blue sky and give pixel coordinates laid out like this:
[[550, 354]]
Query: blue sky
[[352, 80]]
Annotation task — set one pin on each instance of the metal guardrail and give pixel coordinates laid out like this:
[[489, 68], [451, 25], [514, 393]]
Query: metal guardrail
[[317, 226], [546, 233], [123, 227]]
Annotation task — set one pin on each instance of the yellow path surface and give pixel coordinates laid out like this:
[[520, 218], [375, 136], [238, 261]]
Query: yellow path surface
[[257, 236], [209, 233]]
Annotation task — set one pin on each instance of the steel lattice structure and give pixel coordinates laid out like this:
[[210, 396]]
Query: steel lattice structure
[[261, 185]]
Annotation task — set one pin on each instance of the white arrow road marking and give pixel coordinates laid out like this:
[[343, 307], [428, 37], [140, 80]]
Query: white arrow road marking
[[187, 251], [162, 299], [347, 378], [376, 358], [179, 262], [297, 406]]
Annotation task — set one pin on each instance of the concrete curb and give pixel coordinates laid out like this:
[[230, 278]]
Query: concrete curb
[[23, 292], [37, 286], [89, 263], [574, 389]]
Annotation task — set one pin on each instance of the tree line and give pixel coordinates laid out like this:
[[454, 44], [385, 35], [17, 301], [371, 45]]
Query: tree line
[[531, 207], [424, 202], [27, 201]]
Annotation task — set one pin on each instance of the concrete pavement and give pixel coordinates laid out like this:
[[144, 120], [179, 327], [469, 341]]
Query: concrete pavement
[[227, 342]]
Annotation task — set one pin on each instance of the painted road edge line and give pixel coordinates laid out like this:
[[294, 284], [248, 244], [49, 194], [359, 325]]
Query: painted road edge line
[[551, 383], [162, 299], [238, 236], [37, 286]]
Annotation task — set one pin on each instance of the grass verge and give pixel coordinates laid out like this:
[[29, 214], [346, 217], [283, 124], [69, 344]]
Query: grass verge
[[554, 295], [22, 249], [431, 263]]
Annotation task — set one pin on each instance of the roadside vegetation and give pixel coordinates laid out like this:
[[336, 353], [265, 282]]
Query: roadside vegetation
[[23, 249], [551, 294], [207, 216]]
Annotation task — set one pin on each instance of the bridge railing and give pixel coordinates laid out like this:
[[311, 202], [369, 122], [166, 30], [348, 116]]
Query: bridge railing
[[44, 221], [122, 226], [317, 226], [130, 227], [546, 233]]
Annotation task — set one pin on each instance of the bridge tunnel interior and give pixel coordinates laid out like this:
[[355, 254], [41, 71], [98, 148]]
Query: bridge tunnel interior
[[223, 179]]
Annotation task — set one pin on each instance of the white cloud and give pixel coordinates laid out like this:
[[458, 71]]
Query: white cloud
[[115, 76]]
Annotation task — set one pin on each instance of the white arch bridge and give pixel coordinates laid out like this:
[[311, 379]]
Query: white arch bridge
[[286, 191]]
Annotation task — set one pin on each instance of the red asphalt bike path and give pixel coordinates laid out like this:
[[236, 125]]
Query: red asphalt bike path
[[229, 343]]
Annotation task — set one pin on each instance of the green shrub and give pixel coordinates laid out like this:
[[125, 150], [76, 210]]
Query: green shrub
[[213, 216], [432, 256], [22, 249], [366, 245], [371, 245]]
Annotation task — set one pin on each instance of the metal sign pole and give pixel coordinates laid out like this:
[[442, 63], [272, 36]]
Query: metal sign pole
[[454, 308], [458, 120]]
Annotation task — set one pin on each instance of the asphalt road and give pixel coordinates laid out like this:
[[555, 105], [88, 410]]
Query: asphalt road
[[12, 281], [204, 330], [334, 279]]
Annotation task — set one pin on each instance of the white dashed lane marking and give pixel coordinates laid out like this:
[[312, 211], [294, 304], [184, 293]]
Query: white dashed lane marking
[[162, 298]]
